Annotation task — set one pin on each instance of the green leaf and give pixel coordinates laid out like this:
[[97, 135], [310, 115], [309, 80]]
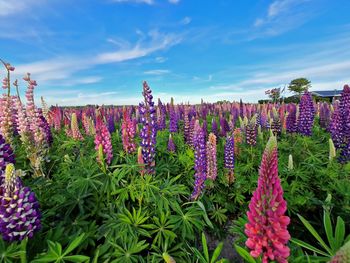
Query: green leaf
[[76, 258], [74, 244], [200, 204], [244, 254], [339, 232], [217, 252], [315, 234], [329, 230], [205, 247], [309, 247]]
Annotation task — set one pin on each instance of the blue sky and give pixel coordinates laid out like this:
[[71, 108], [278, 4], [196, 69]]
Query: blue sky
[[99, 51]]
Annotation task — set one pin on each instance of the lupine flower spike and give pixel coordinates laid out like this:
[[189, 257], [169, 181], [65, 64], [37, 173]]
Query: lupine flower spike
[[267, 224], [211, 157], [19, 209]]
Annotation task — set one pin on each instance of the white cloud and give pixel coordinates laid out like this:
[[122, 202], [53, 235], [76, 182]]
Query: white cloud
[[8, 8], [186, 20], [157, 72], [148, 2], [62, 68], [160, 59]]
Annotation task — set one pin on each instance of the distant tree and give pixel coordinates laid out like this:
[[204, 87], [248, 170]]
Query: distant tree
[[299, 86], [274, 94]]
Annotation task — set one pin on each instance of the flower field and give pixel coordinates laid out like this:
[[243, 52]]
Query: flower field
[[167, 182]]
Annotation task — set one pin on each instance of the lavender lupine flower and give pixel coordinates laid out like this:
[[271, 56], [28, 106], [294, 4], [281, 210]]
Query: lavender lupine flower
[[171, 144], [19, 208], [200, 161], [306, 114], [6, 157], [103, 137], [149, 130], [267, 224], [172, 117], [225, 128], [192, 124], [229, 158], [211, 157], [205, 129], [291, 122], [336, 128]]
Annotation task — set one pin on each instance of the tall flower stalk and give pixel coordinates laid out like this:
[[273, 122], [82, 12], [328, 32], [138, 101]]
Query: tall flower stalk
[[229, 158], [267, 223], [149, 129], [306, 114], [211, 157], [103, 138], [128, 132], [200, 161]]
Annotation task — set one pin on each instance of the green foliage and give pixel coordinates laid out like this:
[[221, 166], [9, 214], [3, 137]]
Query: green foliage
[[299, 85]]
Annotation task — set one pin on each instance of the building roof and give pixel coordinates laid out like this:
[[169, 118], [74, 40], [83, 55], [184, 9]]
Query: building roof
[[327, 93]]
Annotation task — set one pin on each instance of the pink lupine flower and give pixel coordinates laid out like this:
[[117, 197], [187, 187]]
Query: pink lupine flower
[[267, 225], [128, 132], [6, 117], [103, 137], [76, 134], [211, 157]]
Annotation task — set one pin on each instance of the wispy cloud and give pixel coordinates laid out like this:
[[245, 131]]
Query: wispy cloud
[[186, 20], [174, 1], [148, 2], [62, 68], [8, 8], [157, 72], [160, 59]]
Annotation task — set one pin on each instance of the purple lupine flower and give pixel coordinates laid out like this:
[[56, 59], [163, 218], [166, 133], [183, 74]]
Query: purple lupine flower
[[172, 119], [291, 122], [251, 132], [19, 208], [149, 130], [211, 157], [306, 114], [171, 144], [229, 158], [111, 124], [214, 127], [241, 109], [205, 129], [325, 115], [225, 128], [187, 127], [200, 161], [276, 126], [6, 157], [46, 128], [344, 111], [192, 124], [161, 114]]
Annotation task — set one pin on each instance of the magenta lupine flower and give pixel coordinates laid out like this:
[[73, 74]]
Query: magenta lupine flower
[[291, 122], [267, 223], [149, 129], [103, 137], [6, 157], [200, 161], [306, 114], [229, 158], [171, 144], [211, 157], [128, 132], [19, 208]]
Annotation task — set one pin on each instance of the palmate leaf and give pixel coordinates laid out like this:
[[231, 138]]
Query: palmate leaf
[[127, 252], [163, 228], [10, 253], [55, 253]]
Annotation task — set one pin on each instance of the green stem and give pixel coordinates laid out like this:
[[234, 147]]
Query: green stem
[[24, 250]]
